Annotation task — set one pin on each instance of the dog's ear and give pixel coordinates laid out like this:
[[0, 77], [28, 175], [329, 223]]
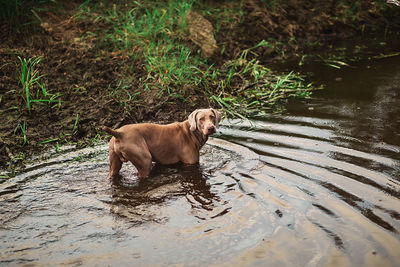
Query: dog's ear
[[192, 120], [218, 116]]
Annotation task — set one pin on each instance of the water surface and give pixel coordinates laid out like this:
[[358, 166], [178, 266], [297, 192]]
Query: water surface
[[317, 185]]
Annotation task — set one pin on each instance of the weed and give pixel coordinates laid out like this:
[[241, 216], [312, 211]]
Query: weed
[[124, 94], [257, 87], [96, 139], [28, 77], [22, 128], [4, 176], [63, 137], [75, 124], [157, 34], [171, 68], [79, 90], [50, 140], [78, 158], [21, 156], [34, 89]]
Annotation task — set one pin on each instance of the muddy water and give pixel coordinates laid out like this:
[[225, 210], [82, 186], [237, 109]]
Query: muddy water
[[318, 185]]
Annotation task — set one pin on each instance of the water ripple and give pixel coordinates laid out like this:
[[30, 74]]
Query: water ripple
[[292, 191]]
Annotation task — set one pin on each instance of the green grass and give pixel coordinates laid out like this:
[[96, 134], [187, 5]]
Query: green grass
[[75, 128], [158, 37], [170, 67], [63, 137], [23, 129], [123, 94], [34, 89], [29, 76], [156, 33], [257, 87]]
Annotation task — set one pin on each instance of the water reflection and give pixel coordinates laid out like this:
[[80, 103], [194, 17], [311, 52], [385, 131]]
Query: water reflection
[[341, 150], [137, 201]]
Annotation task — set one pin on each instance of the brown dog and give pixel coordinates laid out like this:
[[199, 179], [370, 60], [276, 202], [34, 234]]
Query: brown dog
[[166, 144]]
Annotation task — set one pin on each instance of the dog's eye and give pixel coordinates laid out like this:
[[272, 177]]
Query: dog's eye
[[201, 119], [212, 117]]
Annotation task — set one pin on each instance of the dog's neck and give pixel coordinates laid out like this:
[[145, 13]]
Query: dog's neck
[[199, 138]]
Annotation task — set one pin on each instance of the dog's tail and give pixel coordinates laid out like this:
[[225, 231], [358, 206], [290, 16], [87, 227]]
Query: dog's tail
[[114, 133]]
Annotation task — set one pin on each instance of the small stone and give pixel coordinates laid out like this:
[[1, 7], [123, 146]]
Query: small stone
[[201, 33]]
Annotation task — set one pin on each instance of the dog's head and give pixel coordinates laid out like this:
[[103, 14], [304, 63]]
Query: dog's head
[[205, 120]]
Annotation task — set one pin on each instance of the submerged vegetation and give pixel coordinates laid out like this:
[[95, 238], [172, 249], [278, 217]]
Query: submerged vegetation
[[69, 67]]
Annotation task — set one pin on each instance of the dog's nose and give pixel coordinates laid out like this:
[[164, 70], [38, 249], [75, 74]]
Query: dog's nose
[[211, 129]]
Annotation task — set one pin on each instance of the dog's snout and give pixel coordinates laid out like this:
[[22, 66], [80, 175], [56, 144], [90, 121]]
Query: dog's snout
[[211, 129]]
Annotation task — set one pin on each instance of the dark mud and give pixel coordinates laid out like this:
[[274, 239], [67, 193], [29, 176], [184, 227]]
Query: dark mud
[[292, 26], [89, 79]]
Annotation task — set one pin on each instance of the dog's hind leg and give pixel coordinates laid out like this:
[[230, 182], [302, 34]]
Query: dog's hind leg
[[140, 156], [115, 161]]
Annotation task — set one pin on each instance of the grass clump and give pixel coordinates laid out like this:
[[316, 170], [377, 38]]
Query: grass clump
[[34, 90], [245, 86], [156, 33], [158, 36]]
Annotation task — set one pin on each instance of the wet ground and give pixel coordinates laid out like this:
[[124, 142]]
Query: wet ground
[[318, 185]]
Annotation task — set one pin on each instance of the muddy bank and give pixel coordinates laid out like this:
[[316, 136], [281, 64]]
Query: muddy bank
[[94, 85], [291, 26]]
